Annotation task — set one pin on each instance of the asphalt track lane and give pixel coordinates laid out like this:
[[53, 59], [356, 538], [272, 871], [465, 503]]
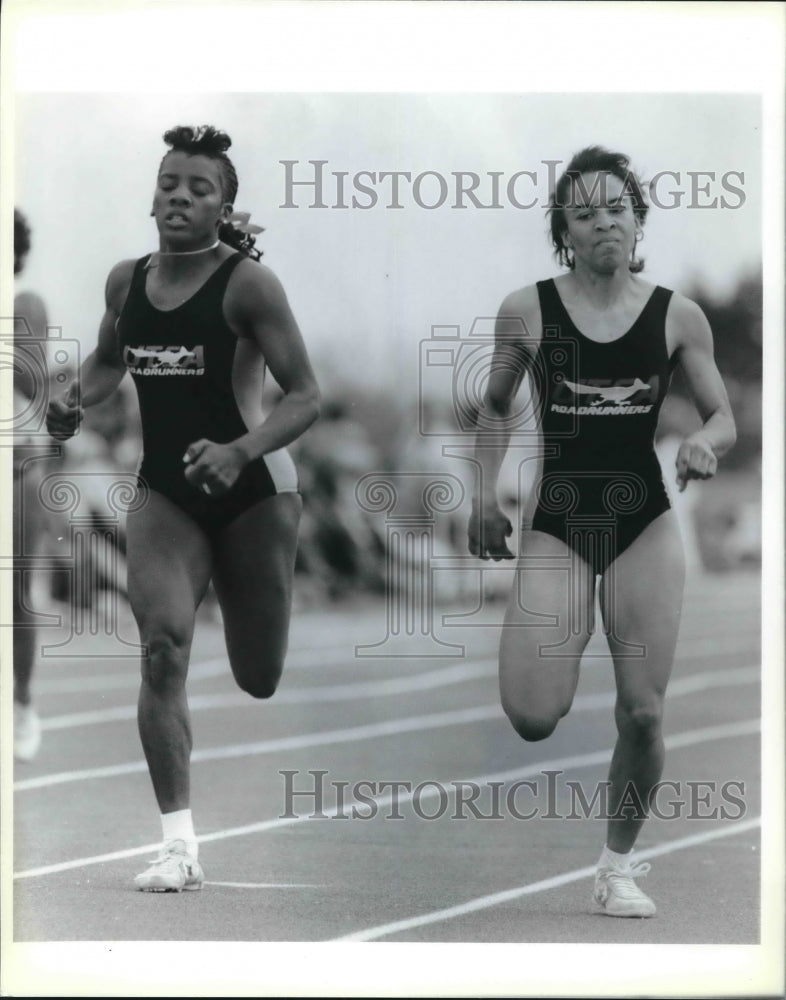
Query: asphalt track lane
[[317, 795], [491, 741], [316, 880], [708, 682]]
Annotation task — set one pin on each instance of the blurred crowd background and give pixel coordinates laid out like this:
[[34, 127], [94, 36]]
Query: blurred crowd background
[[372, 287], [344, 547]]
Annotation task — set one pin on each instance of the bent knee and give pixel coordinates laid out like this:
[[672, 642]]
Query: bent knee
[[166, 663], [260, 681], [531, 727], [259, 689]]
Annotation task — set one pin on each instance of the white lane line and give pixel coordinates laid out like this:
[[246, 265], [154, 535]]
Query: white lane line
[[384, 687], [295, 696], [393, 727], [698, 646], [496, 898], [201, 670], [679, 687], [692, 737], [688, 648], [266, 885], [317, 657]]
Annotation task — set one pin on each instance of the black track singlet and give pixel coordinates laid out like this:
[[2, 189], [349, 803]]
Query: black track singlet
[[181, 362], [601, 482]]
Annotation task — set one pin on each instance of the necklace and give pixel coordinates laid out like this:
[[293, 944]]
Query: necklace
[[178, 253], [187, 253]]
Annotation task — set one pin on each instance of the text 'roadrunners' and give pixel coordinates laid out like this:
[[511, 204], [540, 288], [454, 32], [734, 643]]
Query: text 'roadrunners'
[[164, 360]]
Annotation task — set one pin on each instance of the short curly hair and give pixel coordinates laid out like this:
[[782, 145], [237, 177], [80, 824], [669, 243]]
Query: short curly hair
[[593, 159]]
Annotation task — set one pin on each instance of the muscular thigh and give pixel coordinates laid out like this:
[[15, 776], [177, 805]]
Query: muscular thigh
[[547, 624], [641, 600], [254, 560], [169, 565]]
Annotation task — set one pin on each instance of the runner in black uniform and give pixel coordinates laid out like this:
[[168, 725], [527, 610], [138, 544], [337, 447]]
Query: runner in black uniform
[[599, 345], [197, 324], [181, 361], [600, 404]]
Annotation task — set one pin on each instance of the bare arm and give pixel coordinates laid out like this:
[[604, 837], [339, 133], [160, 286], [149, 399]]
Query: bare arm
[[257, 308], [102, 370], [688, 328], [514, 346]]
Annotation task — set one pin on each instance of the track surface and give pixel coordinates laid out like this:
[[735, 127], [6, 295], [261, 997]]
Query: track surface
[[85, 820]]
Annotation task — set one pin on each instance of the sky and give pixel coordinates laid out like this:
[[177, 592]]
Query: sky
[[367, 284]]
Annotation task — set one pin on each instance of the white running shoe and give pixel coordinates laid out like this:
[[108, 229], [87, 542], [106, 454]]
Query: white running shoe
[[173, 870], [27, 732], [618, 895]]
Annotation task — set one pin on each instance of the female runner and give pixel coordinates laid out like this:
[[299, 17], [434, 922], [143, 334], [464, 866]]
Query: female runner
[[599, 344], [196, 324]]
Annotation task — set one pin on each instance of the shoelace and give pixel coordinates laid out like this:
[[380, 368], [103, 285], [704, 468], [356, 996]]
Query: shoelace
[[170, 859], [623, 882]]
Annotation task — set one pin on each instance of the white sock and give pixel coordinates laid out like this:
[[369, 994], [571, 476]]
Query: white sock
[[180, 826], [614, 858]]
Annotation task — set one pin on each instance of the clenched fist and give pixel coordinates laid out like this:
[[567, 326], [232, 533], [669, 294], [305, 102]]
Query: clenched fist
[[488, 528], [214, 467], [64, 415], [695, 460]]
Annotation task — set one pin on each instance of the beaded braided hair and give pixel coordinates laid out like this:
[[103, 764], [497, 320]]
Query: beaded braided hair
[[205, 140]]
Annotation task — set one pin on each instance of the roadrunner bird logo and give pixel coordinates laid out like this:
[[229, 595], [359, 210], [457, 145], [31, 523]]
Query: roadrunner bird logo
[[608, 400], [618, 394]]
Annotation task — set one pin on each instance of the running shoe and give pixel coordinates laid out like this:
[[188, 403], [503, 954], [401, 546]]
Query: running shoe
[[173, 870], [27, 732], [618, 895]]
